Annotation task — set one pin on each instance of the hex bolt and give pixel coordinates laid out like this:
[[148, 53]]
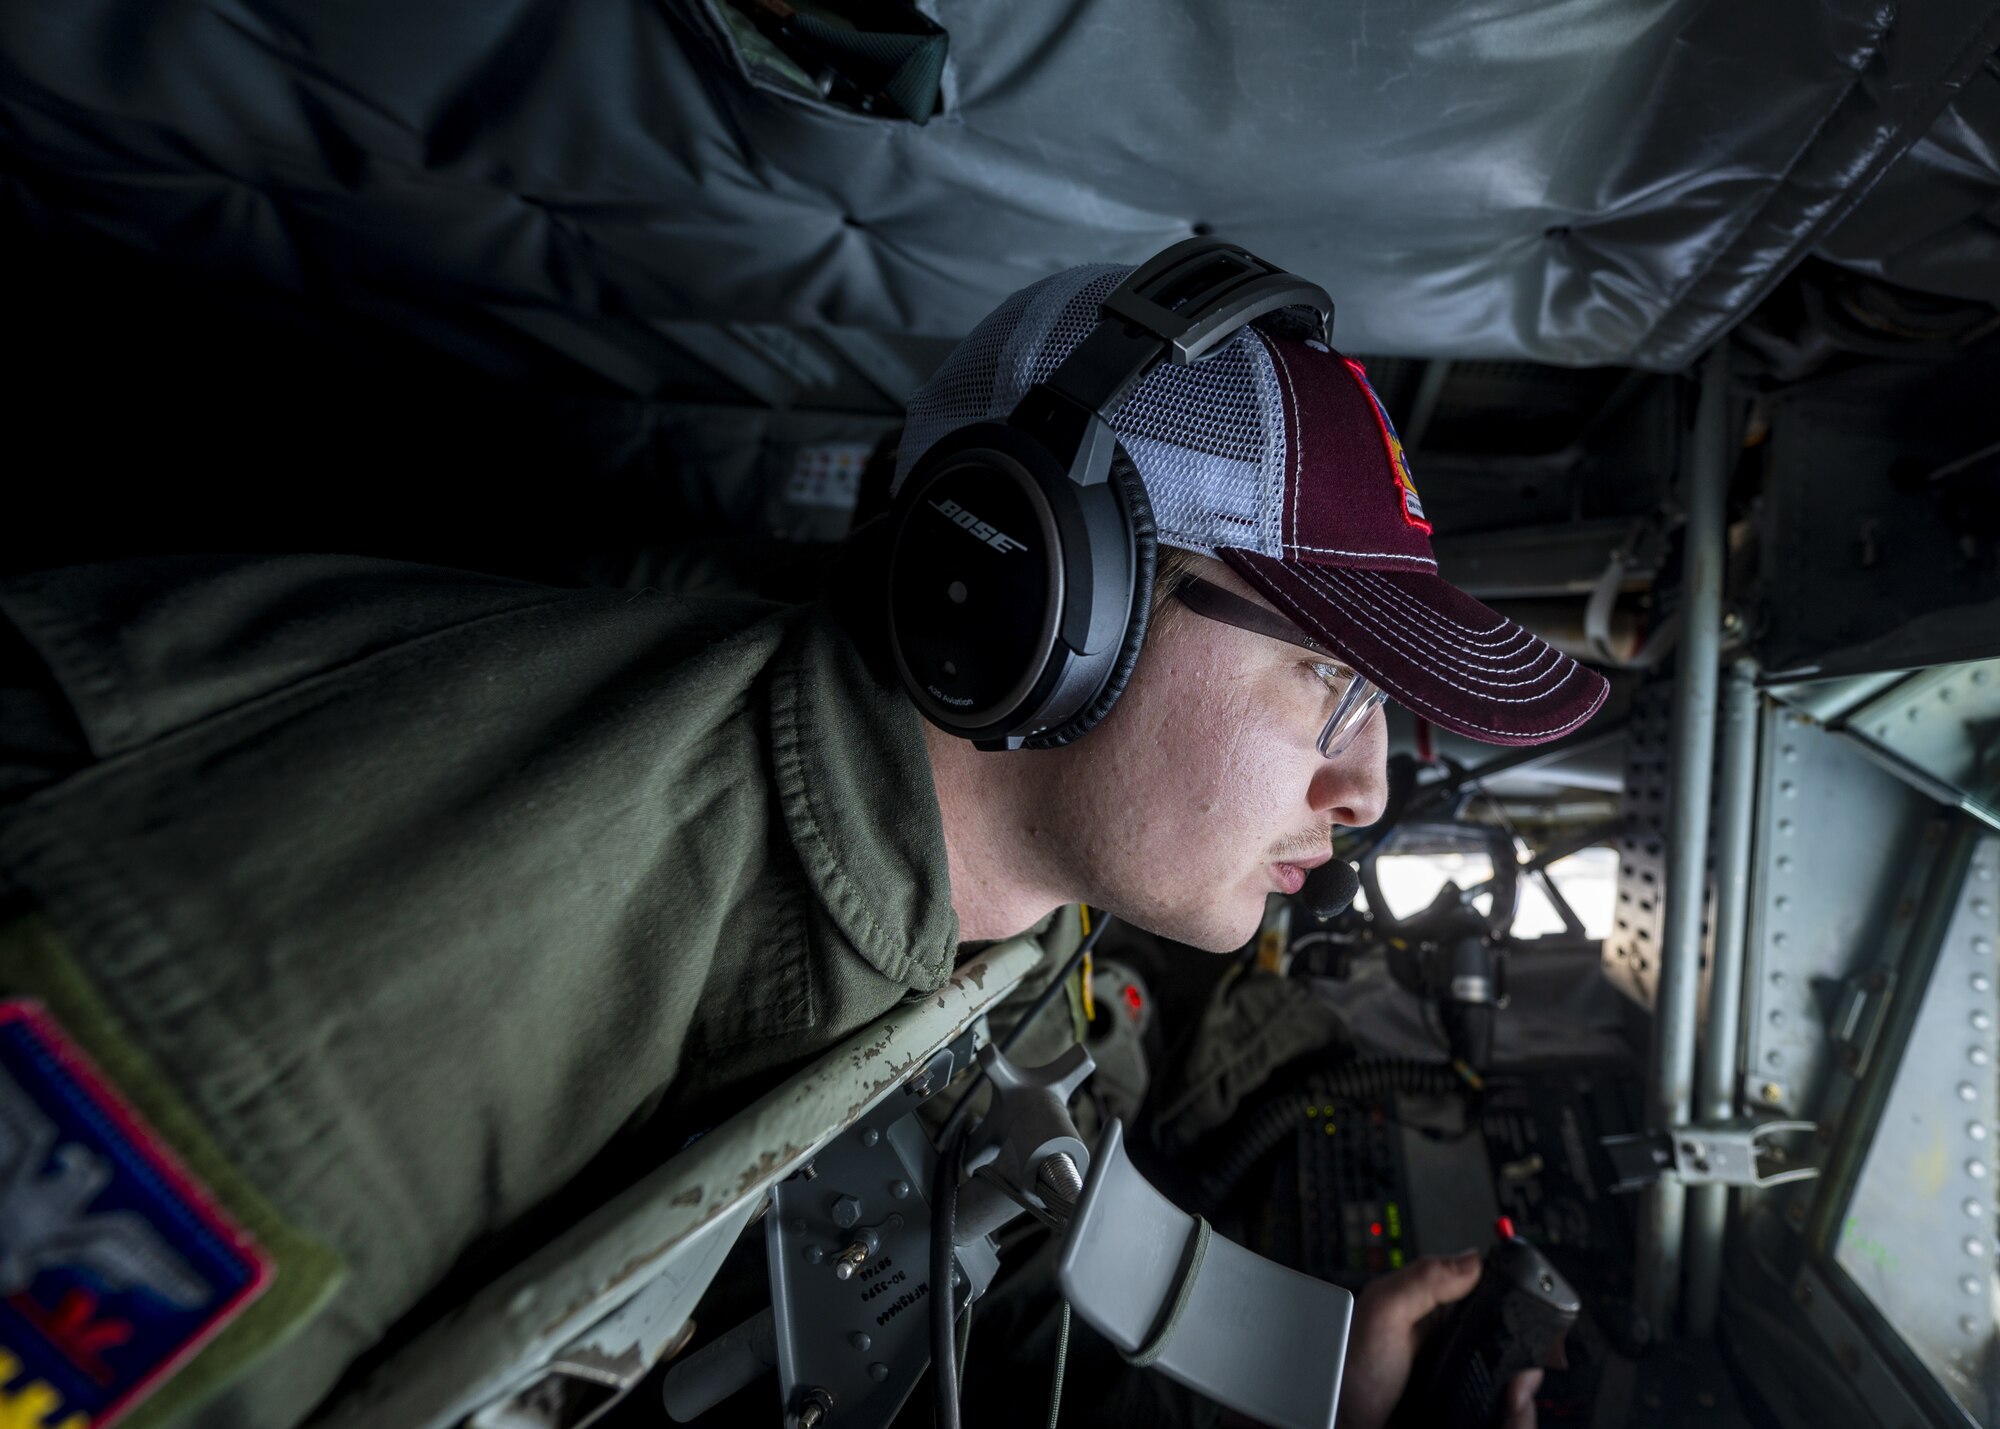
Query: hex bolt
[[818, 1405], [846, 1212]]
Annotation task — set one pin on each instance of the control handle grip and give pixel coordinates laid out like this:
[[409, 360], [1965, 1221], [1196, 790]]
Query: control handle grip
[[1514, 1320]]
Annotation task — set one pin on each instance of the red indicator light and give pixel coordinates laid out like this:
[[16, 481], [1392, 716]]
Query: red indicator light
[[1132, 998], [1375, 1229], [1504, 1228]]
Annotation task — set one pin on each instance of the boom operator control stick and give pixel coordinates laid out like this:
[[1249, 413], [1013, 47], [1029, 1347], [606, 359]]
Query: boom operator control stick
[[1514, 1320]]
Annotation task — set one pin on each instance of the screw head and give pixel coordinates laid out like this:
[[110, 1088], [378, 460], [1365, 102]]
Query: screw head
[[1772, 1093]]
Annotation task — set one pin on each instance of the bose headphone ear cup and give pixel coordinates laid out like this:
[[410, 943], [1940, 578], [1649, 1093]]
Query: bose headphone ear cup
[[1145, 555]]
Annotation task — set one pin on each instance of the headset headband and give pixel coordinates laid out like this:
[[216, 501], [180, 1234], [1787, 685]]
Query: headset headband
[[1180, 305]]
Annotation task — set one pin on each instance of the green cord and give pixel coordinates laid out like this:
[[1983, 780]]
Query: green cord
[[1156, 1345]]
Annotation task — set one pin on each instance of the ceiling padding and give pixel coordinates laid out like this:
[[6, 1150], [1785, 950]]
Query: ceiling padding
[[1566, 181]]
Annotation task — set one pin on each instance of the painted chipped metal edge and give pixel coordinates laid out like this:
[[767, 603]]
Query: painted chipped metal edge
[[522, 1320]]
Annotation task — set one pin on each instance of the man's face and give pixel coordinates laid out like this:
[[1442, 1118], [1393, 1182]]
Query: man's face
[[1203, 791]]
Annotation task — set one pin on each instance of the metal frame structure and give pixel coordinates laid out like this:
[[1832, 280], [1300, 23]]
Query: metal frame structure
[[1670, 1087], [1886, 1372]]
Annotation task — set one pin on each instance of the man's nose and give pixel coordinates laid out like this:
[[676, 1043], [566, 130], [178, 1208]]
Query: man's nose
[[1353, 789]]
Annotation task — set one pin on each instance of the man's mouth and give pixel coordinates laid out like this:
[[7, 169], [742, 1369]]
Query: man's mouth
[[1289, 875]]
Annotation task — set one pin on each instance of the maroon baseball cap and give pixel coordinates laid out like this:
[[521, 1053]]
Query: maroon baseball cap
[[1278, 457]]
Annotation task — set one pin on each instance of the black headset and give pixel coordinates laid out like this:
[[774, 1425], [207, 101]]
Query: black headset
[[1021, 552]]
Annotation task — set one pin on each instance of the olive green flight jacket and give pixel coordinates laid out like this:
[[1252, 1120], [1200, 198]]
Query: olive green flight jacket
[[415, 887]]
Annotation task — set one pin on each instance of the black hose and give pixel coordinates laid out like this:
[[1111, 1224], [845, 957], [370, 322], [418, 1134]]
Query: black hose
[[944, 1200], [944, 1224], [1275, 1118]]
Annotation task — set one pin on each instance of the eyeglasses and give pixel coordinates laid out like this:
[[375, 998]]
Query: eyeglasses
[[1350, 696]]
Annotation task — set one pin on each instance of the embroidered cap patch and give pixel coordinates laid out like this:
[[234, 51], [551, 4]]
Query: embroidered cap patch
[[1392, 445], [116, 1265]]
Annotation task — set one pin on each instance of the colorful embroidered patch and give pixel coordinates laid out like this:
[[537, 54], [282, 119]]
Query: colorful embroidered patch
[[1406, 488], [115, 1264]]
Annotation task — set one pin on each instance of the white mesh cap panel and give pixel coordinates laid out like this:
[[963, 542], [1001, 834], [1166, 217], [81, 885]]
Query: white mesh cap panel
[[1209, 440]]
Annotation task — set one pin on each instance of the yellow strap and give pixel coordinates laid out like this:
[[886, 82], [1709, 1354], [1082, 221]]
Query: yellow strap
[[1089, 1002]]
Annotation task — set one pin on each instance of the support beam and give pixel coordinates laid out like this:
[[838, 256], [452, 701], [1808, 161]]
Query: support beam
[[1670, 1080], [1715, 1085]]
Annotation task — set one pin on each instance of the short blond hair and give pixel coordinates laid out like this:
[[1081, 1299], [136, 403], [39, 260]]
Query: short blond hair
[[1169, 567]]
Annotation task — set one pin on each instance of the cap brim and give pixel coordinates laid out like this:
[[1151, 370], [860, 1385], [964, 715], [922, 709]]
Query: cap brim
[[1437, 651]]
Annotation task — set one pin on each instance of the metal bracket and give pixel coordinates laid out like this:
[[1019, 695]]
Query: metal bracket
[[591, 1375], [1726, 1155], [1857, 1022]]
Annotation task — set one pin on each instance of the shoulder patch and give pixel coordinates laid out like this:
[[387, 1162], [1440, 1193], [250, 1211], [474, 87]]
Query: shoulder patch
[[1392, 445], [116, 1264]]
